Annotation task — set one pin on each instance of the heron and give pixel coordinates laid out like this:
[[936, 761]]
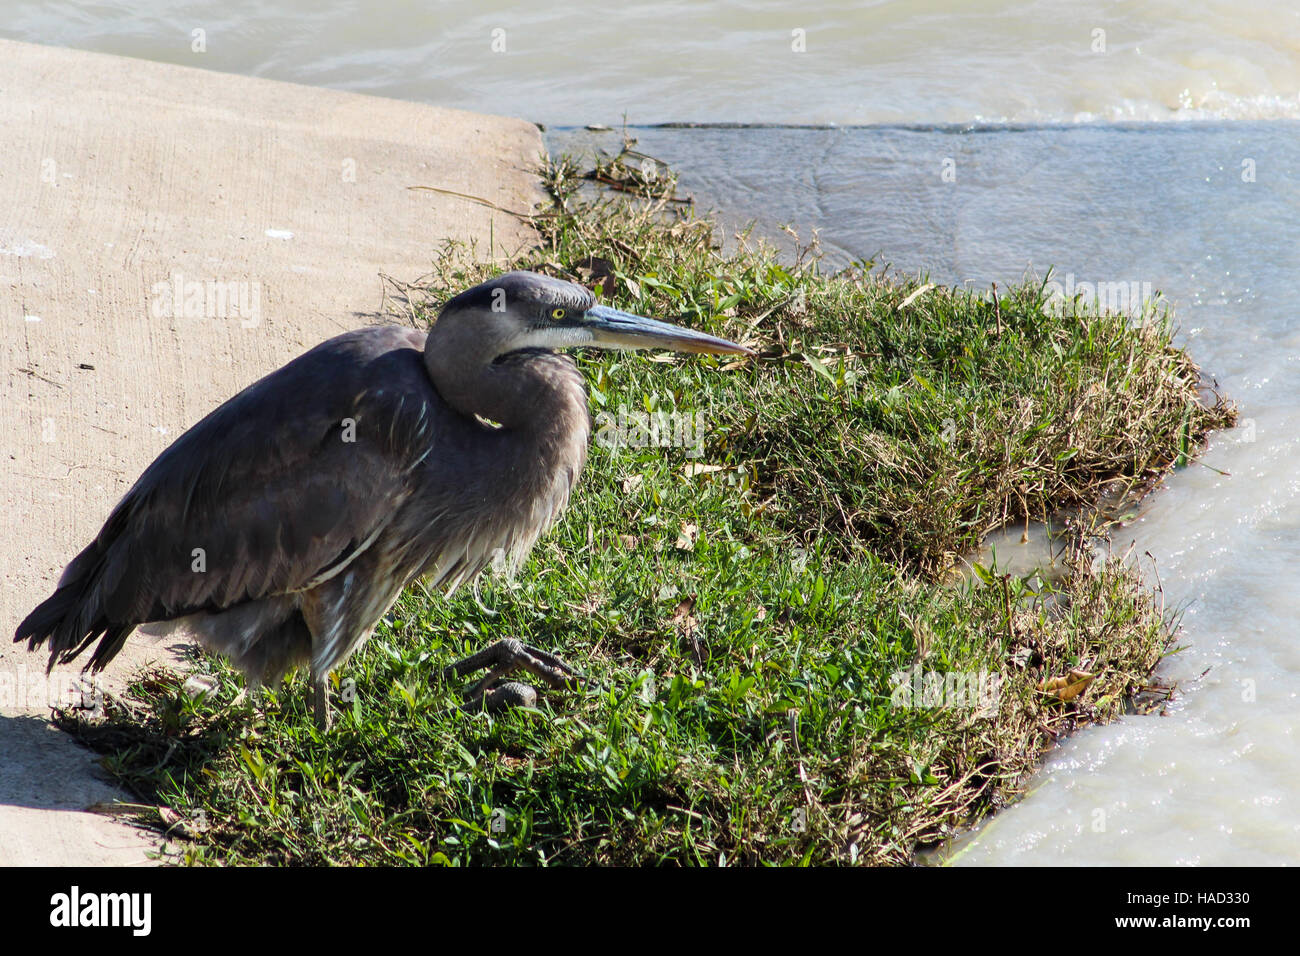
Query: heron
[[280, 528]]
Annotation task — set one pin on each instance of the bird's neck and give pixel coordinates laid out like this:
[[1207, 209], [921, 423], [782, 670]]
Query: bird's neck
[[534, 460], [528, 391], [539, 393]]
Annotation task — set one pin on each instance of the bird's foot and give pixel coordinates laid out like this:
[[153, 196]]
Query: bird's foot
[[502, 659]]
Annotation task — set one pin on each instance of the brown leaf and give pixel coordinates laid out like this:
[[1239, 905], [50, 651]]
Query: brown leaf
[[1070, 686], [686, 540], [682, 613], [683, 620]]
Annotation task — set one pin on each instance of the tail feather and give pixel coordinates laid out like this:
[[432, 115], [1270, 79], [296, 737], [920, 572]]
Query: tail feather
[[263, 638], [72, 618]]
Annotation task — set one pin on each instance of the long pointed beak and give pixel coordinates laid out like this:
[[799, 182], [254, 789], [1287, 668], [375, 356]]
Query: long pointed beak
[[613, 329]]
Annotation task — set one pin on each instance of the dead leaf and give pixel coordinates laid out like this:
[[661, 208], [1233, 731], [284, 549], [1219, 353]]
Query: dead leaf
[[916, 295], [682, 618], [169, 816], [197, 684], [685, 624], [1067, 688], [628, 541], [186, 827], [690, 471], [686, 540], [631, 484]]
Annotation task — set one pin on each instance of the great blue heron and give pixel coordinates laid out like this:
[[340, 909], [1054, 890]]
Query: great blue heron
[[281, 527]]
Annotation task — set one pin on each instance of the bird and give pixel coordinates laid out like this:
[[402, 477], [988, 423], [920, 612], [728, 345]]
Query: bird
[[280, 528]]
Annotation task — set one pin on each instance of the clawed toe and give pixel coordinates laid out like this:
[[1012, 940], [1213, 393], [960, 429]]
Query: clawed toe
[[502, 697], [502, 659]]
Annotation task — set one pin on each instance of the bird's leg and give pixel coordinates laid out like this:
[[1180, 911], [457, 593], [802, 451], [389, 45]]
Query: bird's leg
[[320, 703], [502, 659]]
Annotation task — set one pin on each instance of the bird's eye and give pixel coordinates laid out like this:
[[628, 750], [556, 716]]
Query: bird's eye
[[557, 314]]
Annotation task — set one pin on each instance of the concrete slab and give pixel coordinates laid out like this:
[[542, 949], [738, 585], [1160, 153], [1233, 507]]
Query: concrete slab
[[167, 236]]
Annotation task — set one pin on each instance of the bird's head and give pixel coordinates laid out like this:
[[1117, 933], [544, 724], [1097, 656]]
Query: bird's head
[[518, 311]]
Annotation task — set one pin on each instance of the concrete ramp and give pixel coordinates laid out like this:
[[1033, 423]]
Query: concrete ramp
[[167, 236]]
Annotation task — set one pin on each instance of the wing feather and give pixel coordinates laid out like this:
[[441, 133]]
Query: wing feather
[[278, 488]]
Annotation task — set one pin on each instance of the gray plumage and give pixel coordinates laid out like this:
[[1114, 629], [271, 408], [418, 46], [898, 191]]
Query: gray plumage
[[281, 527]]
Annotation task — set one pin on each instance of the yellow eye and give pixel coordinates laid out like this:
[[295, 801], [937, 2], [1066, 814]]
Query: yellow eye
[[557, 314]]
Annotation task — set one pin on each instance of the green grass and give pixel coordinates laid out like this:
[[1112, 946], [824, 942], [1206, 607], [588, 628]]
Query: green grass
[[747, 626]]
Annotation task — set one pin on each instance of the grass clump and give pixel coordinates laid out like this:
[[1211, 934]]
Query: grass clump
[[779, 673]]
